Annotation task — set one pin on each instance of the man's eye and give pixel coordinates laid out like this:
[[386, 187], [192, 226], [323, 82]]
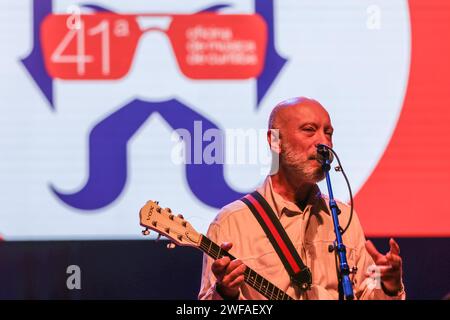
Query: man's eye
[[308, 129]]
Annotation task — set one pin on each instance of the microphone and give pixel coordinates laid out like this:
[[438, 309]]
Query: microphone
[[323, 153]]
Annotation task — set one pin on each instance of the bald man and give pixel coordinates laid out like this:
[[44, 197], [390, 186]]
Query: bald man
[[295, 127]]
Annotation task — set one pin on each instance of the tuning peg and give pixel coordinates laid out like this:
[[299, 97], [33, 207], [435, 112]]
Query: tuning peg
[[171, 245], [180, 216], [157, 202], [168, 210], [158, 237], [146, 232]]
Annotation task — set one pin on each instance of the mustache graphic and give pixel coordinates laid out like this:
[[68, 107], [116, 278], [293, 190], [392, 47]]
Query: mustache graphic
[[108, 143]]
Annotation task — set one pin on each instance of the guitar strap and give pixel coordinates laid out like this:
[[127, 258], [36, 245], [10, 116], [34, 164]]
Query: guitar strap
[[297, 270]]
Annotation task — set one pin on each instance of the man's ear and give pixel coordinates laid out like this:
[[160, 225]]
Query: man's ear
[[273, 137]]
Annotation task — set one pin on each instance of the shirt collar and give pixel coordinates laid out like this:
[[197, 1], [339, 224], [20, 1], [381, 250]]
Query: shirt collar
[[283, 206]]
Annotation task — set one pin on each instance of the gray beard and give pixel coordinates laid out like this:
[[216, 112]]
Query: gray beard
[[299, 169]]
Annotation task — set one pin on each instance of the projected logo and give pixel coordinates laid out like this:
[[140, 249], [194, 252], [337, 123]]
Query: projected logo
[[121, 80], [101, 44]]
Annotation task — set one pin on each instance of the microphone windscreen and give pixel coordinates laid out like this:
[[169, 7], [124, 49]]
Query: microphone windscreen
[[323, 154]]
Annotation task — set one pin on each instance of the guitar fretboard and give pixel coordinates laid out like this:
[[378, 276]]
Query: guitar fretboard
[[256, 281]]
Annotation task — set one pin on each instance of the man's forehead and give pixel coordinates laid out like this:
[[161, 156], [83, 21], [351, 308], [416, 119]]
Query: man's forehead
[[302, 111]]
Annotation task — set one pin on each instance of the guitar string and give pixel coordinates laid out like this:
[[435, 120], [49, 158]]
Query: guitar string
[[247, 273], [264, 286]]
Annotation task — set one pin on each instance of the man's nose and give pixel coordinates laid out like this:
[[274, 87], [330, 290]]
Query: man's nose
[[323, 138]]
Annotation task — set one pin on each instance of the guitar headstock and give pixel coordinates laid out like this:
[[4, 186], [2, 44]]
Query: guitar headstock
[[163, 221]]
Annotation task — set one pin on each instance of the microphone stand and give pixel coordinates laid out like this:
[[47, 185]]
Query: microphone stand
[[338, 246]]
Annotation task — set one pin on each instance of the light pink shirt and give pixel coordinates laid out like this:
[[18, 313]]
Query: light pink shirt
[[311, 231]]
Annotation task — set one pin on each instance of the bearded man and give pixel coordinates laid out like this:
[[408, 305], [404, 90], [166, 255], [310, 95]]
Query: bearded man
[[296, 127]]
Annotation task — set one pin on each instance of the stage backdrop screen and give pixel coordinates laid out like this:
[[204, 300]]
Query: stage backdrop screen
[[105, 105]]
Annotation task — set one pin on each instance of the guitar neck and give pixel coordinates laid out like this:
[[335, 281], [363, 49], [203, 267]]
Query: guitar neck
[[256, 281]]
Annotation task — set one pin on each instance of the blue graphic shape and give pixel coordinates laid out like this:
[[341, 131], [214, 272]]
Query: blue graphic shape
[[108, 142], [34, 62], [214, 8], [97, 8], [273, 62]]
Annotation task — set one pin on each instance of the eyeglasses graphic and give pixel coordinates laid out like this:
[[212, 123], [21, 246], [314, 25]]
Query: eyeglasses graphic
[[101, 46]]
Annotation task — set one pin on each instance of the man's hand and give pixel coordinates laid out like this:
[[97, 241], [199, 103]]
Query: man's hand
[[390, 266], [229, 275]]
